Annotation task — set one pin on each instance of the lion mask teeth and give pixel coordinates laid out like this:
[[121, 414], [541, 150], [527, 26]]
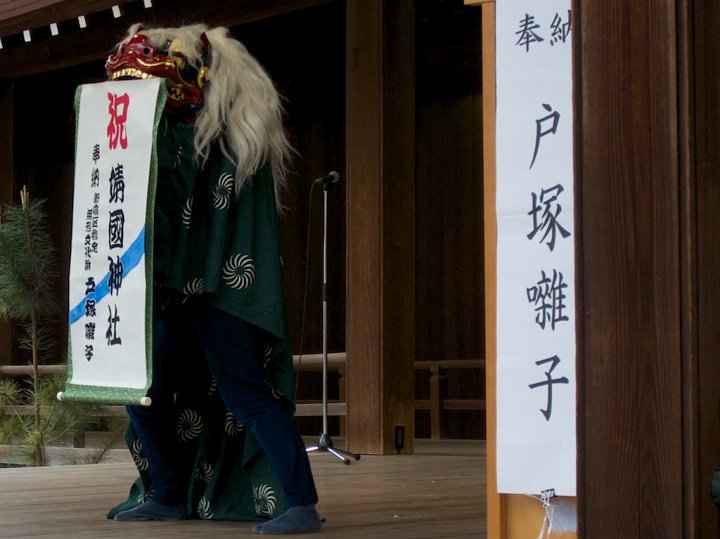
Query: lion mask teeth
[[133, 73]]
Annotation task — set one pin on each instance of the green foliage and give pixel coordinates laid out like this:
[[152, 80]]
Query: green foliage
[[27, 262], [43, 342], [10, 393], [14, 428], [28, 297], [59, 422]]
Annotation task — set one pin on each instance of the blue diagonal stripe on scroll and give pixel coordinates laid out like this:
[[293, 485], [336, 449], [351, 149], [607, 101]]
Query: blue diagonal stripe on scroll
[[130, 260]]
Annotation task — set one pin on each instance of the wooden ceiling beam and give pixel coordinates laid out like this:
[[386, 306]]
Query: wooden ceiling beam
[[96, 41], [18, 16]]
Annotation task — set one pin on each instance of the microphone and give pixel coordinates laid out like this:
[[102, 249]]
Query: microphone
[[332, 177]]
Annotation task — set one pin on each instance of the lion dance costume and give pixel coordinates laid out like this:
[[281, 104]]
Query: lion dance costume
[[218, 440]]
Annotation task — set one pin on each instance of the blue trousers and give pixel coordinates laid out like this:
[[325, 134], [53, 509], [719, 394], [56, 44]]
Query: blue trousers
[[233, 352]]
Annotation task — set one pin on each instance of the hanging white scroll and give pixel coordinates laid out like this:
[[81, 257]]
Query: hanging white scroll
[[111, 258], [536, 442]]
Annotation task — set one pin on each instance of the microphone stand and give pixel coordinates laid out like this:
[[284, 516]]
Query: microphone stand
[[325, 443]]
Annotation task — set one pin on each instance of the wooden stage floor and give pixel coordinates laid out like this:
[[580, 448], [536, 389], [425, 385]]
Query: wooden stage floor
[[437, 492]]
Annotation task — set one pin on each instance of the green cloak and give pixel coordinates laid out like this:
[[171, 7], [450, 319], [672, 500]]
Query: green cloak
[[224, 247]]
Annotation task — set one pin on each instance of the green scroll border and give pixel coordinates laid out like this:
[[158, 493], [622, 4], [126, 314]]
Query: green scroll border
[[126, 395]]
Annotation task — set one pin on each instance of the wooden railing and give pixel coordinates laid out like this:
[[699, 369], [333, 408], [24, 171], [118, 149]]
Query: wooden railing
[[306, 408], [437, 403]]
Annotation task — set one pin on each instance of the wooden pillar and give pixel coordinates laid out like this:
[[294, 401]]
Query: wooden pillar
[[496, 510], [701, 198], [631, 229], [380, 134], [6, 189]]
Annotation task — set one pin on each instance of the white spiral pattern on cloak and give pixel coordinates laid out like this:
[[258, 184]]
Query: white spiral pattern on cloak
[[232, 426], [189, 425], [267, 354], [264, 500], [222, 191], [204, 509], [187, 212], [275, 392], [178, 156], [239, 271], [141, 462], [212, 388], [145, 496], [194, 287], [204, 472]]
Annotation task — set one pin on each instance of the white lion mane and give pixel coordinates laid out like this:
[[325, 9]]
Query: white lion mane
[[242, 110]]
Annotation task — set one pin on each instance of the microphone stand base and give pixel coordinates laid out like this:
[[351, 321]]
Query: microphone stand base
[[325, 444]]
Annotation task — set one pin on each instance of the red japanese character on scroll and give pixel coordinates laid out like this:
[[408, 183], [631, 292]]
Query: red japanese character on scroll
[[118, 109]]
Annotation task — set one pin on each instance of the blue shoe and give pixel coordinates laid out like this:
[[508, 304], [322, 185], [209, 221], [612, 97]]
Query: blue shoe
[[299, 519], [151, 510]]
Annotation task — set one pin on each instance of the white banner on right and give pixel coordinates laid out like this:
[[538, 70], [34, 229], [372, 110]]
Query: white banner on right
[[536, 385]]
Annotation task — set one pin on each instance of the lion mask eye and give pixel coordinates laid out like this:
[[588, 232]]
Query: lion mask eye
[[180, 60], [203, 76]]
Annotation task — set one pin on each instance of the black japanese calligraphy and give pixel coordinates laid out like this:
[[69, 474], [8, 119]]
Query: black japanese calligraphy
[[560, 29], [90, 331], [527, 32], [549, 381], [545, 212], [116, 229], [111, 333], [115, 277], [541, 130], [117, 184], [548, 295], [530, 32], [90, 307], [89, 285]]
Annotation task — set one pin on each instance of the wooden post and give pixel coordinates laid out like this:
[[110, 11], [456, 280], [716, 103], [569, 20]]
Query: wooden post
[[435, 403], [700, 76], [380, 173], [496, 509], [631, 228], [7, 184]]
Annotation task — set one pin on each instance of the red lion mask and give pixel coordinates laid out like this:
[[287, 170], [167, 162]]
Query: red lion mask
[[140, 59]]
